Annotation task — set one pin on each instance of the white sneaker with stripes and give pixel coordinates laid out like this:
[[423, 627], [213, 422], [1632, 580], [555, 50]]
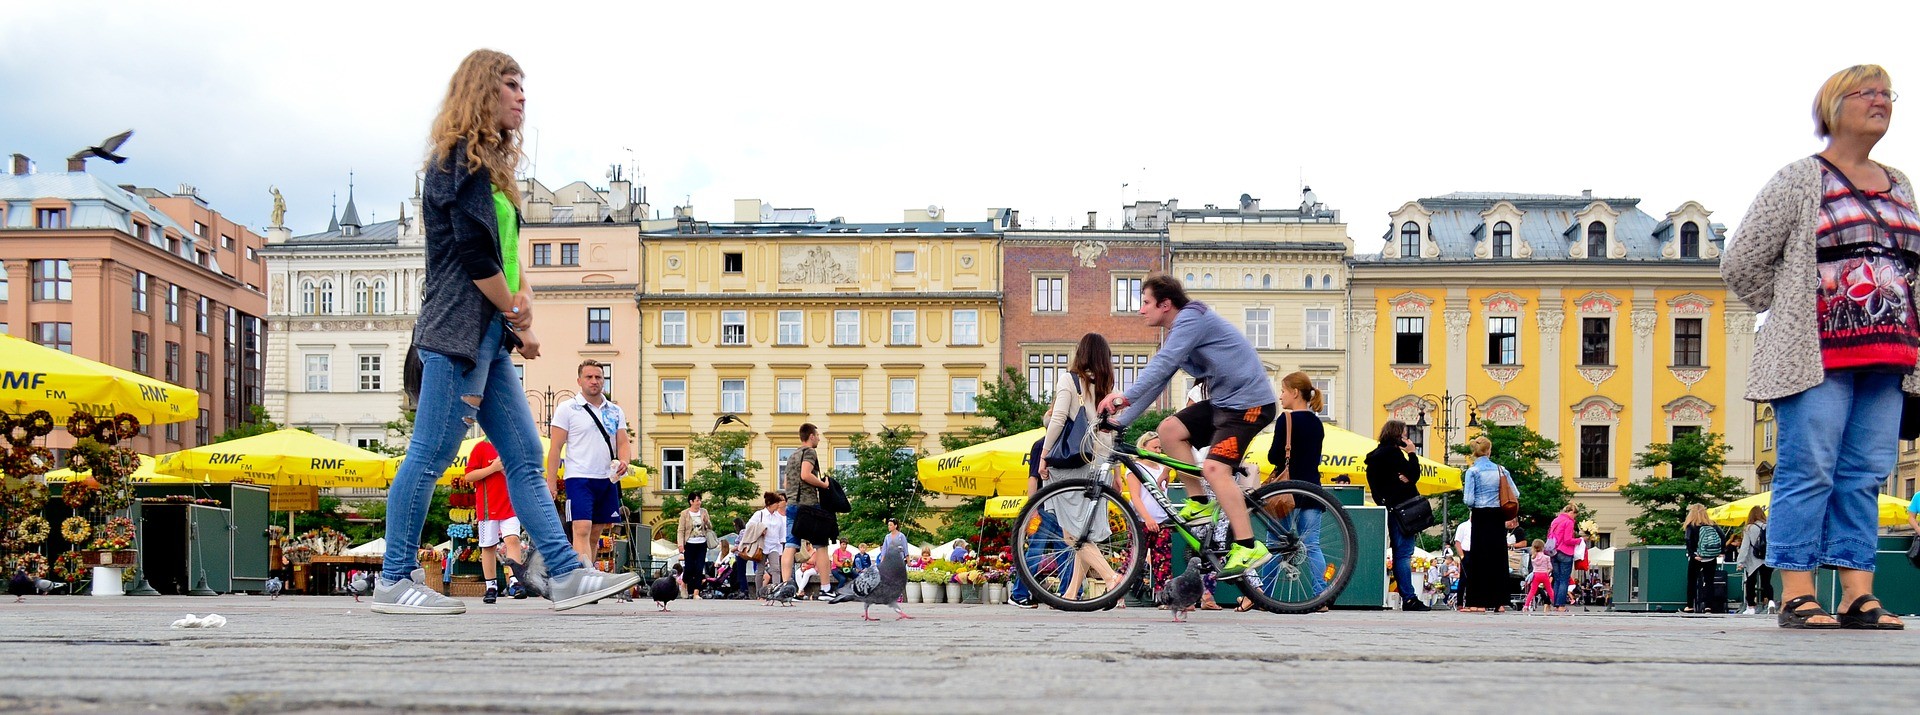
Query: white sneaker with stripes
[[408, 597], [585, 585]]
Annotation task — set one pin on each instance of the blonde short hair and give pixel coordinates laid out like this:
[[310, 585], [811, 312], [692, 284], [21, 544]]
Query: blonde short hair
[[1481, 446], [1826, 104], [1145, 437]]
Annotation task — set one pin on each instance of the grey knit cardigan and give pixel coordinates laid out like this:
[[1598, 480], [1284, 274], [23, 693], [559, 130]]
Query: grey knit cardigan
[[1770, 264]]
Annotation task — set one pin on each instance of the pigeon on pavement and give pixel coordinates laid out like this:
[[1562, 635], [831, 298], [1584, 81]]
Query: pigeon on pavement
[[45, 587], [784, 593], [361, 585], [1183, 592], [664, 590], [20, 585], [884, 582], [274, 587]]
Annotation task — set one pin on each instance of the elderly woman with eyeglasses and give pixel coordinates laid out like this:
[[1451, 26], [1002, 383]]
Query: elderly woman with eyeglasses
[[1830, 249]]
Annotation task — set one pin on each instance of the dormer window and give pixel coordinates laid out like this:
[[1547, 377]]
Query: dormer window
[[1409, 240], [1502, 240], [1690, 240], [1596, 240]]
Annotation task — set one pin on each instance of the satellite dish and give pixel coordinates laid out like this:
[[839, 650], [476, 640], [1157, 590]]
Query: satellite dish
[[933, 210]]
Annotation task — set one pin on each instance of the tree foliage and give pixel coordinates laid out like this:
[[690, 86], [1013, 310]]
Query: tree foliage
[[1009, 408], [885, 483], [726, 478], [399, 434], [1694, 476], [257, 422], [1522, 451]]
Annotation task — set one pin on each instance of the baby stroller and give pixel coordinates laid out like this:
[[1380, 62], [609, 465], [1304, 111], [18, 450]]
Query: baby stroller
[[729, 579]]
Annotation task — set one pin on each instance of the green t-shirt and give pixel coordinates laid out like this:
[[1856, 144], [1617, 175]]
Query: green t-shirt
[[509, 221]]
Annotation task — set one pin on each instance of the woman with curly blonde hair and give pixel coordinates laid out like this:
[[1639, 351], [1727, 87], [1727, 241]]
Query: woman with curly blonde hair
[[475, 311]]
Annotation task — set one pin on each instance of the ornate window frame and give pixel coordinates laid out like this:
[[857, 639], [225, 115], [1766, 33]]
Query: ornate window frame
[[1505, 304], [1412, 304], [1412, 212], [1691, 305], [1690, 211], [1597, 411], [1599, 304], [1501, 212], [1505, 410], [1605, 215]]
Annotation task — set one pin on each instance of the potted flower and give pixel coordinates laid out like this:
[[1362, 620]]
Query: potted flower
[[996, 587], [953, 588], [914, 577], [933, 588]]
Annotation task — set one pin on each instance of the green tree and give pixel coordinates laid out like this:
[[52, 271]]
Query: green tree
[[1149, 420], [1522, 451], [399, 434], [885, 483], [1009, 407], [257, 422], [1694, 476], [726, 479]]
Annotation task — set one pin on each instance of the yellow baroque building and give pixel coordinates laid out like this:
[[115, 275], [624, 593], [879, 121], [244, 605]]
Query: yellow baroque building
[[780, 320], [1589, 321]]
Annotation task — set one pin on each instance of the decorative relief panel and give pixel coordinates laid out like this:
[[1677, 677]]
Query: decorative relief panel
[[1089, 251], [1688, 375], [1690, 305], [1411, 303], [1687, 410], [1456, 321], [1505, 410], [1551, 320], [1409, 374], [1597, 410], [1406, 409], [1502, 374], [1595, 375], [1739, 322], [834, 265], [1364, 322], [1597, 303], [1504, 302], [1643, 321]]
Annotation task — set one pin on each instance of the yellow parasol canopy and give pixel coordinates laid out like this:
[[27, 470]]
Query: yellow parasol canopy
[[1006, 507], [1345, 453], [289, 456], [1893, 510], [143, 475], [636, 476], [994, 467], [41, 378]]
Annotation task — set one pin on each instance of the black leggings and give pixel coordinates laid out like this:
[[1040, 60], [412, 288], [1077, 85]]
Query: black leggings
[[1760, 586], [694, 574]]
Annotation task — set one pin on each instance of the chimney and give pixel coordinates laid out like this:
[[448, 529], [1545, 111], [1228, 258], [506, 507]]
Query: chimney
[[22, 165], [1586, 193], [1014, 219], [76, 164], [1093, 220]]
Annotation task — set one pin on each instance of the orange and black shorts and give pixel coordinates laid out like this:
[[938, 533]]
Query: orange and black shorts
[[1226, 432]]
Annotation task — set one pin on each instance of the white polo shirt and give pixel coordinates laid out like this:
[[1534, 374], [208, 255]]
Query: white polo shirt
[[586, 453]]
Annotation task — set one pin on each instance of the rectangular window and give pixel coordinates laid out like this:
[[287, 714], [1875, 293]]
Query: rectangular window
[[173, 362], [173, 304], [1596, 343], [1594, 447], [50, 218], [140, 353], [202, 366], [3, 283], [52, 280], [846, 395], [1324, 385], [673, 396], [1319, 329], [844, 461], [1503, 340], [599, 326], [370, 373], [1126, 294], [1410, 341], [251, 255], [366, 443], [733, 396], [606, 379], [202, 429], [901, 394], [1126, 369], [569, 254], [903, 261], [543, 254], [789, 330], [58, 336], [905, 329], [1418, 437], [202, 308], [199, 229], [789, 396], [673, 469], [966, 394], [140, 281], [733, 327], [173, 432], [966, 327], [318, 373], [1049, 294], [1042, 371], [673, 327], [846, 327], [1683, 430], [1259, 327], [1686, 342], [734, 263], [226, 242]]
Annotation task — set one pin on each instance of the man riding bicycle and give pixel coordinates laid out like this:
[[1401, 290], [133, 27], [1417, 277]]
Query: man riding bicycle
[[1240, 403]]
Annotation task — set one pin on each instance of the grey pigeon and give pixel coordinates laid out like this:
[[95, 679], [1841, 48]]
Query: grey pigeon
[[531, 573], [663, 590], [45, 587], [361, 585], [1182, 594], [274, 587], [20, 585], [784, 593], [884, 583]]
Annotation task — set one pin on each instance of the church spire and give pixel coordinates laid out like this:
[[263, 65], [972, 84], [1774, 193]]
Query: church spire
[[333, 218], [350, 218]]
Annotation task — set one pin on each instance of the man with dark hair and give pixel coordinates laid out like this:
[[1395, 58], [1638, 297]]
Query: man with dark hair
[[1240, 404], [593, 433], [801, 481]]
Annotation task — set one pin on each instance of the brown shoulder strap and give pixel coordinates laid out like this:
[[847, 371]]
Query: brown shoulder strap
[[1288, 416]]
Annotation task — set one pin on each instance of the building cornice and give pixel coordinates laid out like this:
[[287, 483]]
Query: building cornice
[[846, 297]]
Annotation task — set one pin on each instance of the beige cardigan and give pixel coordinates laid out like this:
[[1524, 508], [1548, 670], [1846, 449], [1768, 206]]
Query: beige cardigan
[[1770, 264]]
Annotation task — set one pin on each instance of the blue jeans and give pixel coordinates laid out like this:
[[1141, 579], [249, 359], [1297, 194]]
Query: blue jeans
[[440, 423], [1305, 523], [1046, 539], [1402, 563], [1562, 574], [1838, 442]]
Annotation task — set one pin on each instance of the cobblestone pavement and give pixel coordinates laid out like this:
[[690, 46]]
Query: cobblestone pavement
[[331, 655]]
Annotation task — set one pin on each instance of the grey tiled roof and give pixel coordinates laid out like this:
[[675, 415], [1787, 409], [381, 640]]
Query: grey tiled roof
[[97, 204], [1547, 225], [385, 233]]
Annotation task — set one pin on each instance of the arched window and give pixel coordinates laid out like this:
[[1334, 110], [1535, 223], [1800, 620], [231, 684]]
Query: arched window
[[1188, 280], [378, 304], [1502, 240], [1690, 240], [361, 296], [1326, 281], [309, 298], [326, 296], [1266, 280], [1309, 281], [1206, 280], [1246, 281], [1409, 240], [1596, 240]]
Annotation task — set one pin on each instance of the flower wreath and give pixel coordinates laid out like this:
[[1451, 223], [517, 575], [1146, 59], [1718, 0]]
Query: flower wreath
[[34, 529], [113, 496], [27, 496], [81, 425], [76, 495], [17, 432], [115, 535], [39, 423], [123, 462], [75, 530], [68, 566], [34, 564], [126, 425], [27, 461], [89, 455]]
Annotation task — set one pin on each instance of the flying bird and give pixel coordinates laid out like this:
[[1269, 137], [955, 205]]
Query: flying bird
[[1183, 592], [663, 590], [274, 587], [107, 148], [882, 583]]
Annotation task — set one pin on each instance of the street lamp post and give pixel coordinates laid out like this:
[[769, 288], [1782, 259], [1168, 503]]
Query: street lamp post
[[547, 401], [1446, 403]]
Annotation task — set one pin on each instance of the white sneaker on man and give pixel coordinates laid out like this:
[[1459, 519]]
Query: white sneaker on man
[[585, 585]]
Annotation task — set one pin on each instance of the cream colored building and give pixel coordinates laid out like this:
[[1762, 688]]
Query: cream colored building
[[1278, 274], [781, 319]]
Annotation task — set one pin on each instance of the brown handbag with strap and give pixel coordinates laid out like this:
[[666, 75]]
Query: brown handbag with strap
[[1509, 496], [1281, 505]]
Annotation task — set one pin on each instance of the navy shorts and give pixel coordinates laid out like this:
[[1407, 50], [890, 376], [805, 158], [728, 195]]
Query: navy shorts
[[593, 499]]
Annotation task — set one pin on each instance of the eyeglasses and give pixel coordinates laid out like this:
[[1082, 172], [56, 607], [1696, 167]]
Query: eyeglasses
[[1873, 94]]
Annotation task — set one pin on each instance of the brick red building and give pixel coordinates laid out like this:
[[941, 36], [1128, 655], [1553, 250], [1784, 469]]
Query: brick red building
[[1061, 284]]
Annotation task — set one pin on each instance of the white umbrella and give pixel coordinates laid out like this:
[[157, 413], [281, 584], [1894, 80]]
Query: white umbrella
[[1600, 557], [376, 547]]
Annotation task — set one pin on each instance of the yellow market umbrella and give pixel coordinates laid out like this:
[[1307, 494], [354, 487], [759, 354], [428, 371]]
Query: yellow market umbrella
[[1893, 510], [636, 476], [41, 378], [1343, 452], [1005, 507], [143, 475], [998, 466], [289, 456]]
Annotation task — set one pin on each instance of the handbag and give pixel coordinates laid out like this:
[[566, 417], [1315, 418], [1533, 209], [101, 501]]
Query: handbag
[[1280, 505], [833, 497], [1413, 515], [1068, 451], [815, 525], [1509, 496], [1913, 552], [752, 539]]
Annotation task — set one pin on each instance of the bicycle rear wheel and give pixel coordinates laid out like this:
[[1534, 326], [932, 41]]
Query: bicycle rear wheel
[[1313, 549], [1061, 529]]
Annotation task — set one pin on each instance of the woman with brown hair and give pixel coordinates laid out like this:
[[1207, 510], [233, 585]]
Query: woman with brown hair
[[1753, 562], [1392, 473], [1088, 379], [1295, 451], [475, 311]]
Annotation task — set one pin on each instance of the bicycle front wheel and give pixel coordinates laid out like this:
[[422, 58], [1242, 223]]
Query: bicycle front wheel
[[1078, 545], [1313, 548]]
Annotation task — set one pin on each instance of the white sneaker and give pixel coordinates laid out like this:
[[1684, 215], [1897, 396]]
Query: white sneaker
[[408, 597], [586, 585], [1747, 612]]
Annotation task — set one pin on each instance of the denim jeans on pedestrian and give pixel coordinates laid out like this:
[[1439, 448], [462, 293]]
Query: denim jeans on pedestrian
[[1838, 442], [1402, 563], [440, 423], [1046, 539], [1305, 523], [1562, 574]]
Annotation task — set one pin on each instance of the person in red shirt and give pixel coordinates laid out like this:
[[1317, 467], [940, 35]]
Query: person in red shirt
[[498, 527]]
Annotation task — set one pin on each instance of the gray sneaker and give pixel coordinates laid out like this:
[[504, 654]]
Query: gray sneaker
[[408, 597], [585, 585]]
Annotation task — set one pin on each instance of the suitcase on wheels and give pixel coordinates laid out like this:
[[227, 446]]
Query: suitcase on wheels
[[1715, 593]]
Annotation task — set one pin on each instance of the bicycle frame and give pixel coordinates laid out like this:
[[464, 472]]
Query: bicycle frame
[[1124, 455]]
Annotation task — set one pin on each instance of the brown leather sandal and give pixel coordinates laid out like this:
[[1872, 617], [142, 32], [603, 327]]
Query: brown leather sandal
[[1792, 616], [1872, 619]]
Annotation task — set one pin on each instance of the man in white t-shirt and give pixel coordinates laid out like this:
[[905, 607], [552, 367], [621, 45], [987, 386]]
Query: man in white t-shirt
[[592, 431]]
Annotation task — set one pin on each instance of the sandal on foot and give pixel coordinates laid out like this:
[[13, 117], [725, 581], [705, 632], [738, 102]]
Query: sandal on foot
[[1873, 619], [1246, 604], [1792, 616]]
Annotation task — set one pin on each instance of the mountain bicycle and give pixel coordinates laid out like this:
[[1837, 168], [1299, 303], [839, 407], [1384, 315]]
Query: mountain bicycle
[[1313, 545]]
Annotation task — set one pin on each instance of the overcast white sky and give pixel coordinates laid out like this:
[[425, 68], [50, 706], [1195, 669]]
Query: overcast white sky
[[865, 110]]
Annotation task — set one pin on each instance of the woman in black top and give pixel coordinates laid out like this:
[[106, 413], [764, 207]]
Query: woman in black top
[[1297, 438], [1392, 471]]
